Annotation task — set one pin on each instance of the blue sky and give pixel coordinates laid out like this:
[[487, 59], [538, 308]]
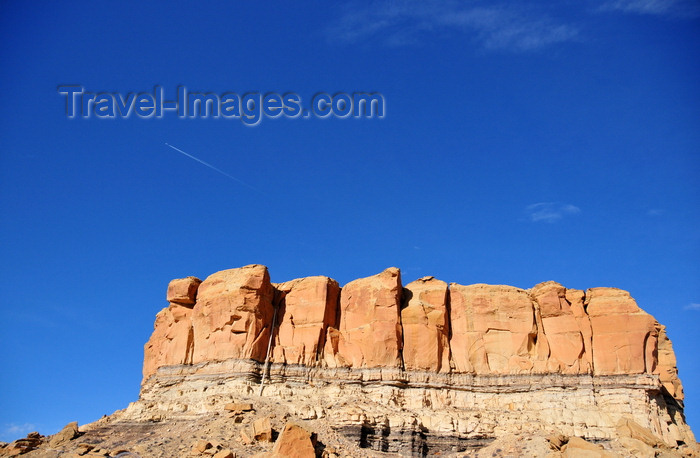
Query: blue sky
[[521, 143]]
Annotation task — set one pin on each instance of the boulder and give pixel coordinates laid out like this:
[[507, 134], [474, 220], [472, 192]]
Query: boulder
[[626, 427], [557, 441], [637, 448], [225, 453], [201, 446], [84, 448], [183, 291], [245, 438], [68, 433], [22, 446], [239, 407], [262, 429], [581, 448], [426, 326], [294, 442]]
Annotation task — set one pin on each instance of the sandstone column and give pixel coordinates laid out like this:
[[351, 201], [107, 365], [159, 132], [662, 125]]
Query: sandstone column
[[370, 326], [233, 315], [172, 341], [306, 309], [426, 326]]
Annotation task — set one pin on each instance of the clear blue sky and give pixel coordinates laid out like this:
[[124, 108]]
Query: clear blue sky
[[522, 143]]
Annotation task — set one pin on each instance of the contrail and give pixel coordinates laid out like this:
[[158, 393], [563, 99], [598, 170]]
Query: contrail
[[213, 168]]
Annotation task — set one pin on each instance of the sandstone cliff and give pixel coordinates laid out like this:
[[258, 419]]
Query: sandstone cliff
[[429, 326], [236, 363], [430, 365]]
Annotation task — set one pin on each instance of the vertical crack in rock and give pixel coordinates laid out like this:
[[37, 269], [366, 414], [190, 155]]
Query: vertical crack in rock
[[189, 350]]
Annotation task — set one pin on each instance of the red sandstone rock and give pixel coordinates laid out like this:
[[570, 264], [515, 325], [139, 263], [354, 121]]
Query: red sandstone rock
[[426, 326], [563, 325], [201, 446], [666, 366], [183, 291], [262, 429], [172, 341], [493, 329], [307, 308], [370, 328], [233, 315], [294, 442], [624, 336], [331, 354], [576, 298]]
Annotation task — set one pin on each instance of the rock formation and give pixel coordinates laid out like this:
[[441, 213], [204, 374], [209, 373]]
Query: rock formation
[[494, 331], [307, 308], [240, 366], [458, 363], [370, 322], [426, 326], [233, 315]]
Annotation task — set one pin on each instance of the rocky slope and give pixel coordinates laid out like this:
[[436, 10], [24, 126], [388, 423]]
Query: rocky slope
[[375, 367]]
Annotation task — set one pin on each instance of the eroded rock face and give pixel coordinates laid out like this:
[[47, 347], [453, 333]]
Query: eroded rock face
[[306, 308], [426, 326], [565, 326], [666, 366], [430, 364], [172, 341], [493, 329], [370, 322], [233, 315], [624, 336]]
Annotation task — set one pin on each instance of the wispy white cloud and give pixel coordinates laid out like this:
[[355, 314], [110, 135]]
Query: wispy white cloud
[[550, 212], [12, 431], [505, 26], [693, 306], [679, 8], [655, 212]]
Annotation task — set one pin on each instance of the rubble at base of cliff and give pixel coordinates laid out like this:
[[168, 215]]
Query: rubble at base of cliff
[[272, 430]]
